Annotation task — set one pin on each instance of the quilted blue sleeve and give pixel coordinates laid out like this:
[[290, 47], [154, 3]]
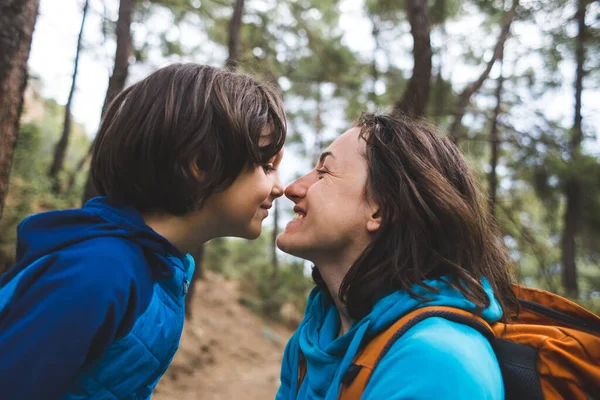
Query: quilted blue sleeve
[[66, 309]]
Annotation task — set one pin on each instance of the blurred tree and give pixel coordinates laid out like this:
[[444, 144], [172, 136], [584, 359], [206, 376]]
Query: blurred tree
[[17, 20], [495, 140], [198, 255], [572, 186], [234, 35], [299, 44], [61, 147], [29, 188], [514, 130], [550, 155], [465, 96], [415, 97], [117, 79], [234, 47], [123, 52]]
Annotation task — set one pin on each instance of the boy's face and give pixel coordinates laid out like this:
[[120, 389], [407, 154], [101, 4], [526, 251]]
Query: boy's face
[[242, 207]]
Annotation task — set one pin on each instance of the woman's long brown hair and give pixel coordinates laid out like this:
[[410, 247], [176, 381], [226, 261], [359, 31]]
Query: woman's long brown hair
[[435, 222]]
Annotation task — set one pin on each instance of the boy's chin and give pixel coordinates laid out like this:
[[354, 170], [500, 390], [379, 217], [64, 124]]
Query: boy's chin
[[252, 232]]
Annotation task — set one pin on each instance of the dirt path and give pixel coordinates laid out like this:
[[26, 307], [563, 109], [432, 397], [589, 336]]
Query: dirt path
[[226, 351]]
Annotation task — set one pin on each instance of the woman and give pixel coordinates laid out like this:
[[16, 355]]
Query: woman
[[393, 221]]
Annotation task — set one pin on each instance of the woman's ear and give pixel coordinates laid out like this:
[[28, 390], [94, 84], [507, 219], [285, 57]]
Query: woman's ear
[[374, 221]]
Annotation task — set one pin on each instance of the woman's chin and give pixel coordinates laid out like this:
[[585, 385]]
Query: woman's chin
[[287, 243], [293, 226]]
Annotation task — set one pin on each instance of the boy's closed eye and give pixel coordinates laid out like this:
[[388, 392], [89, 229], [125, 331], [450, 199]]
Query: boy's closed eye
[[268, 168]]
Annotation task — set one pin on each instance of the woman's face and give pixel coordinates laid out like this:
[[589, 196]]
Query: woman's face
[[333, 220]]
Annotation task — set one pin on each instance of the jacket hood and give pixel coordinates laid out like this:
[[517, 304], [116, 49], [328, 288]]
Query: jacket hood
[[328, 357], [49, 232]]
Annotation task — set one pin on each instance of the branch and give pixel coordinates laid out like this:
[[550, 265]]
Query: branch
[[543, 139], [465, 96], [538, 250]]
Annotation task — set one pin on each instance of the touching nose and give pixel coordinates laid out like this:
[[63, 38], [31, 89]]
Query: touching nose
[[277, 190], [297, 189]]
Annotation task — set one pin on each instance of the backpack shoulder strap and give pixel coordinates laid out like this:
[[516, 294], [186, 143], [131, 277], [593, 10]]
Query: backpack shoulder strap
[[358, 374]]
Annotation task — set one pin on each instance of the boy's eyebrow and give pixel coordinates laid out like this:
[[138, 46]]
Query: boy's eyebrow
[[324, 155]]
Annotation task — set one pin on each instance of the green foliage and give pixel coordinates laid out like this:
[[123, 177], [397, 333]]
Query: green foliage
[[326, 84], [263, 290], [29, 190], [442, 100], [268, 293], [25, 185], [28, 147], [393, 10], [587, 170], [442, 10]]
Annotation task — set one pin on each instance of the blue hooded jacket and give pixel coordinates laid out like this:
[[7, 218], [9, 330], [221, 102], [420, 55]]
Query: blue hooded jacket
[[436, 359], [93, 307]]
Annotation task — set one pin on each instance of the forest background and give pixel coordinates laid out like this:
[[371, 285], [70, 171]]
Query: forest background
[[515, 83]]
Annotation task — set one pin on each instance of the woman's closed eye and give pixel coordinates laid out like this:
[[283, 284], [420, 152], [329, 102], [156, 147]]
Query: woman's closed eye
[[322, 171]]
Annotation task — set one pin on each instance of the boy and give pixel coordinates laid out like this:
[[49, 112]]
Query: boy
[[93, 307]]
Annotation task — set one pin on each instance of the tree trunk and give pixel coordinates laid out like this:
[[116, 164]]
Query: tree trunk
[[17, 21], [198, 255], [573, 186], [439, 14], [414, 99], [61, 147], [318, 146], [270, 77], [465, 96], [234, 35], [116, 83], [538, 250], [77, 170], [439, 92], [232, 63], [375, 33], [89, 191], [274, 258], [495, 142]]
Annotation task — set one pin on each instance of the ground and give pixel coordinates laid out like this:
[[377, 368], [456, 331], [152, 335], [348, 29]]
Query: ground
[[226, 351]]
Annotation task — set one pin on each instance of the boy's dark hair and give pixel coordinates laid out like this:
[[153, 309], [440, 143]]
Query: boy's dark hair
[[168, 142], [435, 222]]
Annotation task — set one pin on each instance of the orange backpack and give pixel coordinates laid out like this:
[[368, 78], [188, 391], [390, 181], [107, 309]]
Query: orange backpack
[[550, 351]]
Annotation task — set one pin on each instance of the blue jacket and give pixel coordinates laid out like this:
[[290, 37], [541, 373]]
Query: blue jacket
[[436, 359], [93, 308]]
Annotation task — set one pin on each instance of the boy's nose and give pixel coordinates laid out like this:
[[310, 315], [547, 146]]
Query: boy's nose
[[277, 190]]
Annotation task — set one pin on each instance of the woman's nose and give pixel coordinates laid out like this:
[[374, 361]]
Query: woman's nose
[[297, 189]]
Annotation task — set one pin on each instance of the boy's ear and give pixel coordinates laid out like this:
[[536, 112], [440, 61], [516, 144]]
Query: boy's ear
[[374, 221], [197, 173]]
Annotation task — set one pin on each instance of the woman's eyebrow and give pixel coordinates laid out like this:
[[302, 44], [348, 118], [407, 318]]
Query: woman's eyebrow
[[324, 155]]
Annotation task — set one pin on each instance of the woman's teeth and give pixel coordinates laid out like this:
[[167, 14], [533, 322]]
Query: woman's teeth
[[299, 215]]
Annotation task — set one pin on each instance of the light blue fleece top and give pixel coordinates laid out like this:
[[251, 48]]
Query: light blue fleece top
[[436, 359]]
